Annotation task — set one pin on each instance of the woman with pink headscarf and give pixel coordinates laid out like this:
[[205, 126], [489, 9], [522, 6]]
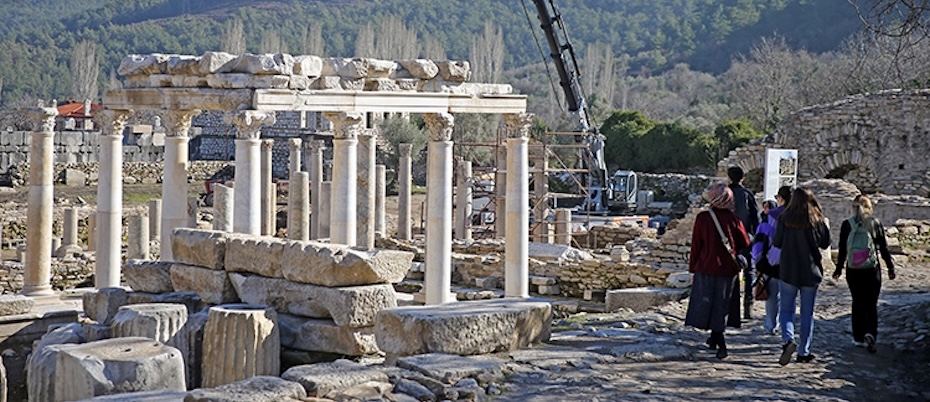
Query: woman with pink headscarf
[[715, 273]]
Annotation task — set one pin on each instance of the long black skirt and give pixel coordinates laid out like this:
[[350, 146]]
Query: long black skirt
[[709, 304]]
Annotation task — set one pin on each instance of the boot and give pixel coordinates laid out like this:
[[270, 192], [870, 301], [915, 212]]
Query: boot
[[721, 346]]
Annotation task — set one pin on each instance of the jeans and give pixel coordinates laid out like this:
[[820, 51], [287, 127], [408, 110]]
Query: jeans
[[771, 305], [789, 295]]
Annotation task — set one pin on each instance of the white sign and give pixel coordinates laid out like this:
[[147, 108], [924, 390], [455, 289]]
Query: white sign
[[781, 169]]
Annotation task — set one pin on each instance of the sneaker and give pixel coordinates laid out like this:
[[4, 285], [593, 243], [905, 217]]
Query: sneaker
[[786, 351], [870, 343], [806, 359], [859, 344]]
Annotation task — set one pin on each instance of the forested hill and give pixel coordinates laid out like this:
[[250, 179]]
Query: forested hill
[[37, 36]]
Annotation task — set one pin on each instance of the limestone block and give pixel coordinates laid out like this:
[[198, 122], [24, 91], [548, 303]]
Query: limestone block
[[15, 304], [138, 64], [409, 84], [475, 327], [202, 248], [336, 266], [352, 84], [488, 282], [240, 341], [73, 178], [420, 68], [96, 332], [162, 322], [451, 368], [549, 289], [308, 66], [542, 280], [212, 286], [264, 64], [300, 82], [641, 299], [354, 306], [328, 82], [103, 304], [41, 369], [216, 63], [118, 365], [148, 276], [144, 396], [318, 335], [183, 65], [196, 323], [323, 378], [678, 280], [242, 81], [68, 333], [454, 71], [381, 84], [255, 389], [380, 68], [254, 254]]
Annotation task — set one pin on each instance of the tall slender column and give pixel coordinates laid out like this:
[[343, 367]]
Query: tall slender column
[[326, 197], [516, 247], [174, 186], [223, 208], [38, 264], [343, 202], [110, 198], [69, 235], [500, 191], [155, 218], [316, 186], [92, 231], [247, 190], [380, 194], [293, 161], [298, 207], [405, 182], [268, 200], [541, 210], [463, 198], [366, 191], [439, 209]]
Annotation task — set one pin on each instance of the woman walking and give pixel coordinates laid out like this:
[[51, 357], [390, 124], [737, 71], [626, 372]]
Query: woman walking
[[800, 234], [860, 236], [715, 272], [765, 257]]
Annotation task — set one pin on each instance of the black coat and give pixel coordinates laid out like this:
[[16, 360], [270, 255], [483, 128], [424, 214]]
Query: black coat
[[745, 207], [800, 264]]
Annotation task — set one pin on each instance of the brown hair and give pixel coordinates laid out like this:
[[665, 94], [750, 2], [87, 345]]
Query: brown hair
[[803, 211], [862, 206]]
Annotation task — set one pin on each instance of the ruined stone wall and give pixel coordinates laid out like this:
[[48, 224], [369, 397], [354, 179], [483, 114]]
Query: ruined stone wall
[[133, 172], [77, 147], [613, 233]]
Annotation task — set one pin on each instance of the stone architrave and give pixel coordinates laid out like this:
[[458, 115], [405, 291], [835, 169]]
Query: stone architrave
[[405, 180], [298, 204], [541, 210], [438, 280], [380, 195], [163, 322], [516, 248], [174, 186], [336, 265], [268, 193], [110, 198], [365, 236], [240, 341], [293, 161], [222, 208], [326, 190], [260, 255], [463, 198], [316, 184], [563, 226], [247, 190], [154, 207], [137, 235], [38, 265], [343, 202]]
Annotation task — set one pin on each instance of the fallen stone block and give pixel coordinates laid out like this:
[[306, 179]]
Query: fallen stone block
[[148, 276], [255, 389], [310, 66], [335, 266], [15, 304], [468, 328], [145, 396], [323, 378], [254, 254], [202, 248], [41, 369], [240, 341], [163, 322], [318, 335], [678, 280], [368, 391], [354, 306], [96, 332], [420, 68], [138, 64], [542, 280], [216, 62], [641, 299], [488, 282], [556, 252], [549, 290], [452, 368], [68, 333], [103, 304], [212, 286], [264, 64], [454, 71]]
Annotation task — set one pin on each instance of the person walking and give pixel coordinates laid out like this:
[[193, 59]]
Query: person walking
[[800, 234], [747, 210], [860, 236], [711, 262], [765, 257]]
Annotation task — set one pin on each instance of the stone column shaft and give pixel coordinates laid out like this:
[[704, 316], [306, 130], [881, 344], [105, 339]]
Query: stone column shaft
[[268, 193], [463, 198], [110, 199], [405, 181], [380, 194], [343, 203], [240, 341], [137, 235], [298, 206], [294, 158], [516, 248], [438, 280], [541, 210], [92, 231], [563, 226], [500, 191], [326, 191], [69, 236], [223, 208], [38, 264], [155, 218], [316, 184], [247, 210], [174, 186], [365, 236]]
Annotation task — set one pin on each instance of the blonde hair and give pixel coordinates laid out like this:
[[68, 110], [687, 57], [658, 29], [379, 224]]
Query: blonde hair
[[862, 206]]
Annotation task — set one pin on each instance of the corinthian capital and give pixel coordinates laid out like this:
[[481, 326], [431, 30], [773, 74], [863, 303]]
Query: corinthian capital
[[249, 123], [43, 117], [112, 122], [178, 122], [346, 125], [518, 125], [404, 149], [439, 125]]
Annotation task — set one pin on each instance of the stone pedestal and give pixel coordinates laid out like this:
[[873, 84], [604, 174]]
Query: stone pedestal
[[240, 341], [405, 181], [137, 235], [343, 202], [380, 195], [439, 209], [298, 206], [110, 199], [563, 226], [174, 186], [154, 207], [365, 210], [326, 190], [247, 204], [516, 248], [38, 264], [268, 193], [222, 208], [463, 201], [316, 184], [163, 322]]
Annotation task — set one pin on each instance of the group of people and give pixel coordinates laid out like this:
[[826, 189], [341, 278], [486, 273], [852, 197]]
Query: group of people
[[782, 246]]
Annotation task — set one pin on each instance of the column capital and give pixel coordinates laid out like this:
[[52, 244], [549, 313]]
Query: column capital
[[346, 125], [404, 149], [294, 143], [43, 117], [249, 123], [439, 125], [178, 122], [112, 122], [267, 144], [518, 124], [317, 145]]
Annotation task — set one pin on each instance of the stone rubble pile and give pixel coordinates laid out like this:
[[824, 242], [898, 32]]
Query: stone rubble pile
[[614, 233]]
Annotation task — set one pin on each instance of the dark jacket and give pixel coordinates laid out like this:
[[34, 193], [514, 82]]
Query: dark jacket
[[744, 201], [800, 263], [708, 254], [878, 239], [762, 243]]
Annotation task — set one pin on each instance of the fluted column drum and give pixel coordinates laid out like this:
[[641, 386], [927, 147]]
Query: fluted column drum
[[240, 341]]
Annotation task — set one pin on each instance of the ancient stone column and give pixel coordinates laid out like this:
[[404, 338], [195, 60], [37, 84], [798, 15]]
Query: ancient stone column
[[38, 264], [439, 209], [247, 192], [405, 181], [110, 198], [155, 218], [380, 194], [163, 322], [174, 186], [240, 341], [69, 235], [316, 183], [463, 201], [500, 191], [137, 235], [222, 208], [268, 199], [365, 237], [563, 226], [293, 158], [516, 247], [343, 202], [92, 232], [298, 206], [541, 210], [326, 191]]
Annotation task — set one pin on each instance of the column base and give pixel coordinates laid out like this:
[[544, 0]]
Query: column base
[[33, 291]]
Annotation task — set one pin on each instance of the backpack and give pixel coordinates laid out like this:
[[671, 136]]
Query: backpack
[[860, 250]]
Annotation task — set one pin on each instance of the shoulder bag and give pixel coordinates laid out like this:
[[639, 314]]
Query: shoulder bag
[[739, 260]]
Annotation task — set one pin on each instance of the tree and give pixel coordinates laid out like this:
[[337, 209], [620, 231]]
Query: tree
[[399, 130], [233, 37], [487, 55], [729, 135], [623, 130], [433, 50], [365, 41], [312, 40], [599, 74], [395, 41], [272, 43], [85, 71]]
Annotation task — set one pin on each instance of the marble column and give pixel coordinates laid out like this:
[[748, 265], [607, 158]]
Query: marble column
[[154, 218], [223, 208], [380, 194], [268, 193], [174, 186], [463, 201], [316, 186], [110, 198], [69, 236], [563, 226], [293, 157], [541, 206], [365, 236], [405, 181], [298, 206], [438, 280], [92, 231], [247, 190], [500, 191], [343, 201], [137, 236], [326, 192], [38, 265], [516, 247]]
